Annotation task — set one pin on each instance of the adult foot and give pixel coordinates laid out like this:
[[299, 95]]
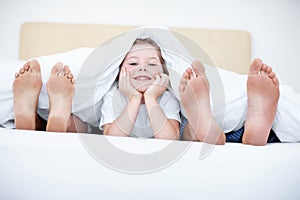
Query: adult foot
[[60, 88], [26, 89], [263, 95], [194, 96]]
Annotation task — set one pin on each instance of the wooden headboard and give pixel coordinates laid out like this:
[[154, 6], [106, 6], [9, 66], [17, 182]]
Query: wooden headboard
[[229, 49]]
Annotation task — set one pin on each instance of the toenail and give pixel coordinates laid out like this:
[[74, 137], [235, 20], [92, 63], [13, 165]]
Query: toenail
[[61, 73]]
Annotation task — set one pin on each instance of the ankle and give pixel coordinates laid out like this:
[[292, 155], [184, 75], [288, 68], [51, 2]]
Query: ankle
[[57, 123], [25, 122], [248, 139]]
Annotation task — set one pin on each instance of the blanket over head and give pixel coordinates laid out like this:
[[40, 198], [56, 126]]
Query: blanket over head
[[101, 67]]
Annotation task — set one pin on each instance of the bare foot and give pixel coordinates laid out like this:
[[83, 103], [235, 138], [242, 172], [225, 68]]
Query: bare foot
[[194, 96], [26, 88], [60, 88], [263, 95]]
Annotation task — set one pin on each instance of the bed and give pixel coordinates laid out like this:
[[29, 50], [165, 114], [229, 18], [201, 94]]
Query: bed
[[42, 165]]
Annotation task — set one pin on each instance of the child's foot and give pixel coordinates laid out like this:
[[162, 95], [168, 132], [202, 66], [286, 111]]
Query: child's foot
[[60, 88], [263, 95], [194, 96], [26, 88]]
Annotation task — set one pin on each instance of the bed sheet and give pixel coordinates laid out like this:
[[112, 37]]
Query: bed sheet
[[40, 165]]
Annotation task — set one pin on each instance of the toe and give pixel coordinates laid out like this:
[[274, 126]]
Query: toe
[[70, 76], [255, 66], [186, 75], [183, 81], [22, 70], [189, 70], [276, 81], [272, 75], [57, 68], [181, 88], [264, 68], [67, 70], [198, 67], [269, 69], [26, 66], [35, 66]]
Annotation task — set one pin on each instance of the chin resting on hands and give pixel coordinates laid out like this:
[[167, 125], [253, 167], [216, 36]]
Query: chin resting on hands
[[125, 86], [158, 87]]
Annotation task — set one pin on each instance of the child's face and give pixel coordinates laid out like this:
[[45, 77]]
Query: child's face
[[143, 63]]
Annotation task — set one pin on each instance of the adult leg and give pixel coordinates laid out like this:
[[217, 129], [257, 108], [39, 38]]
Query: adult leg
[[76, 125], [60, 88], [263, 95], [194, 96], [26, 90]]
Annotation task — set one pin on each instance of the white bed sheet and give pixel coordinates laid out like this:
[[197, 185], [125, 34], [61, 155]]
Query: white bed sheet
[[40, 165]]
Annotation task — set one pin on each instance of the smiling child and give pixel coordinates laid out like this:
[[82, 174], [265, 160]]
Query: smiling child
[[141, 105]]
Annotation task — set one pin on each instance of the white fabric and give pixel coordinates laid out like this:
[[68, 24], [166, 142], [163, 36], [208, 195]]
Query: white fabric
[[38, 165], [114, 104], [227, 90], [286, 124], [74, 59], [95, 70], [7, 70]]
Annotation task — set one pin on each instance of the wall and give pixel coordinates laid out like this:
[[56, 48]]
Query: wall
[[272, 23]]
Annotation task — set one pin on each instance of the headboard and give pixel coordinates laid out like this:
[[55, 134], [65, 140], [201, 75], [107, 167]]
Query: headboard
[[229, 49]]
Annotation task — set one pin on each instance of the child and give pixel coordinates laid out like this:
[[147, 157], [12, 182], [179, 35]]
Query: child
[[141, 105]]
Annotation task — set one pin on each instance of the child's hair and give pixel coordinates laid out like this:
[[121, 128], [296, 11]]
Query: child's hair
[[151, 42]]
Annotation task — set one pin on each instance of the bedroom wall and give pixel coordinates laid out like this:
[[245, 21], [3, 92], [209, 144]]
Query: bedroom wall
[[273, 24]]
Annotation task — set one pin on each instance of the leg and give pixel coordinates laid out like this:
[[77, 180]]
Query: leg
[[263, 95], [76, 125], [194, 96], [60, 88], [26, 89]]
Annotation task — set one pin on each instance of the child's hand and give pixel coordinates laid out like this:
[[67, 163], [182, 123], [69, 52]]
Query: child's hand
[[125, 87], [158, 87]]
